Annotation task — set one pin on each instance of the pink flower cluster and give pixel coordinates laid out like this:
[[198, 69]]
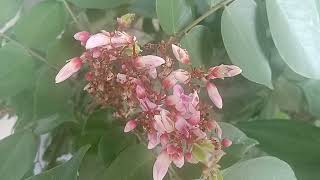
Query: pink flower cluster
[[153, 96]]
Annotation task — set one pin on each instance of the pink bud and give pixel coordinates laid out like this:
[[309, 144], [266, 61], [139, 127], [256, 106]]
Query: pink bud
[[132, 124], [149, 62], [226, 142], [121, 39], [89, 76], [82, 36], [182, 76], [140, 91], [214, 95], [164, 139], [169, 81], [181, 54], [69, 69], [223, 71], [97, 40]]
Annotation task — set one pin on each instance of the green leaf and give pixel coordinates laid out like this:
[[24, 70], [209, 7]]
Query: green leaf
[[113, 143], [62, 50], [45, 125], [294, 26], [311, 91], [197, 44], [16, 70], [41, 25], [173, 15], [8, 9], [17, 153], [66, 171], [241, 144], [100, 4], [91, 166], [264, 168], [146, 8], [295, 142], [240, 37], [134, 163], [51, 98]]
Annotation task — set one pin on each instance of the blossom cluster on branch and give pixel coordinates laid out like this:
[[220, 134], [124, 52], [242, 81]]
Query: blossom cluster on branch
[[155, 91]]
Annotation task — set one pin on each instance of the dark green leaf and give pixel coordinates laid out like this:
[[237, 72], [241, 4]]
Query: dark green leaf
[[100, 4], [113, 143], [295, 142], [198, 46], [63, 49], [41, 25], [51, 98], [294, 28], [8, 9], [91, 166], [173, 15], [17, 153], [240, 37], [66, 171], [16, 70], [134, 163], [264, 168], [145, 8]]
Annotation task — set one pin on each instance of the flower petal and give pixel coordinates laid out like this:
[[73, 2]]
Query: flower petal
[[172, 100], [82, 36], [73, 66], [169, 81], [178, 160], [223, 71], [149, 61], [214, 95], [182, 76], [97, 40], [153, 73], [161, 166], [180, 54], [154, 140]]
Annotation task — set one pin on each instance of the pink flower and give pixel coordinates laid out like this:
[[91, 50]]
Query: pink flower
[[161, 166], [169, 81], [140, 91], [223, 71], [149, 62], [170, 154], [181, 54], [214, 95], [131, 125], [73, 66], [176, 76], [154, 140], [82, 36], [164, 122], [121, 39], [147, 105], [164, 139]]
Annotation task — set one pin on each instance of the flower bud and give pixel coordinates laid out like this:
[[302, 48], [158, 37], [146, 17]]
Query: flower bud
[[181, 54], [82, 36], [132, 124], [214, 95], [223, 71], [69, 69], [226, 142]]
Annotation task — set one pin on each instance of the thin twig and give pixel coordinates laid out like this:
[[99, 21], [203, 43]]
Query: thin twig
[[73, 16], [30, 51], [202, 17]]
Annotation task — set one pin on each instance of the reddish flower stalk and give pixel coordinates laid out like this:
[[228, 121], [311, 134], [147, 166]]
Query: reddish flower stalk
[[150, 94]]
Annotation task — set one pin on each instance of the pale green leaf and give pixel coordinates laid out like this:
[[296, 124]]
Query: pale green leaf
[[8, 9], [100, 4], [294, 26], [240, 36], [263, 168]]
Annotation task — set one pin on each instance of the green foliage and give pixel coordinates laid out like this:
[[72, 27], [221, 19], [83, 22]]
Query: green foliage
[[239, 34], [17, 153], [264, 168], [275, 42], [200, 50], [41, 25], [173, 15], [16, 70], [295, 142], [66, 171], [9, 10], [295, 34]]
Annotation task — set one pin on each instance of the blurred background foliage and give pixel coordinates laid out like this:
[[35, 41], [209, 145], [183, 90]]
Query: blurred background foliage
[[271, 110]]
